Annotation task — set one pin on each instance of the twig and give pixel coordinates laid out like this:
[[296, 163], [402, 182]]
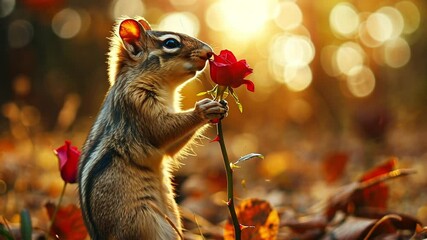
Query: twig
[[386, 176], [55, 212], [230, 191]]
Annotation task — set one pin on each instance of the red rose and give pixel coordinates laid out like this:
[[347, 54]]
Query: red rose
[[227, 71], [68, 157]]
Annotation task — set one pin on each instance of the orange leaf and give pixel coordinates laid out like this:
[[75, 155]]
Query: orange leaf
[[68, 222], [261, 221]]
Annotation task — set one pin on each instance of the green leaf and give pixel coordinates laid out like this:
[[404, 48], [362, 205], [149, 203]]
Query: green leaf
[[26, 228], [240, 106], [236, 99], [5, 233], [201, 94], [249, 156]]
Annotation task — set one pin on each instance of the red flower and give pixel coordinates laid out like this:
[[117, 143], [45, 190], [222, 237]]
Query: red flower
[[68, 157], [227, 71]]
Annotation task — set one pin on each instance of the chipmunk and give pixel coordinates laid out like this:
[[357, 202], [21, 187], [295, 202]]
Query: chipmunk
[[125, 167]]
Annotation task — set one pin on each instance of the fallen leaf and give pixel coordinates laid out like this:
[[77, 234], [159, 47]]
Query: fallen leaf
[[261, 221], [68, 222], [307, 224], [376, 196], [369, 192], [333, 166], [351, 228]]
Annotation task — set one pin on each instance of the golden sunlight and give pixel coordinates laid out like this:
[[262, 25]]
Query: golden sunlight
[[289, 15], [344, 20], [183, 22], [237, 16]]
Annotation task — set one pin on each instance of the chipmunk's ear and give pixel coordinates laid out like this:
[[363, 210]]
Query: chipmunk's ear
[[133, 35], [144, 24]]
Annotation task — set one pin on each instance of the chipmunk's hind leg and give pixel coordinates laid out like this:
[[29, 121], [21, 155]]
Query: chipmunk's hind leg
[[147, 224]]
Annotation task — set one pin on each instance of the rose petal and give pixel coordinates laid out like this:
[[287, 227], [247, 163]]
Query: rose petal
[[228, 56], [249, 85], [225, 70], [68, 157]]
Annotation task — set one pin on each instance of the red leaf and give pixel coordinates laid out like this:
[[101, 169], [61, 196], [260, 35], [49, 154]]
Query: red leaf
[[375, 196], [379, 170], [333, 166], [369, 192], [68, 222]]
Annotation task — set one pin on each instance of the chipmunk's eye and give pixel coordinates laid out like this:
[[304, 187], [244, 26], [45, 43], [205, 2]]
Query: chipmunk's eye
[[171, 43]]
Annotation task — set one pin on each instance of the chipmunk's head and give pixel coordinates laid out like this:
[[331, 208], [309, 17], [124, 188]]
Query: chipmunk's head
[[168, 55]]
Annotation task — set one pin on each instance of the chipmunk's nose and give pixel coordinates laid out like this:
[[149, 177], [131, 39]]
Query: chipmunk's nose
[[210, 54], [206, 52]]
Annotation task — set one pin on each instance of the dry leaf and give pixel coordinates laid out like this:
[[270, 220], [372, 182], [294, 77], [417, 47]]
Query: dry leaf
[[68, 222], [261, 219], [333, 166]]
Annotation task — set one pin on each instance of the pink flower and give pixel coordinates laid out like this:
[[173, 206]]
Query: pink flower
[[68, 157], [227, 71]]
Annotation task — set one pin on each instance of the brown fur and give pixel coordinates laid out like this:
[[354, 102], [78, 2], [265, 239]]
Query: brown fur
[[125, 167]]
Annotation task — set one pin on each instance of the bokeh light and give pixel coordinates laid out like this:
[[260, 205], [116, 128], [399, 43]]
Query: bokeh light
[[67, 23], [30, 116], [411, 15], [294, 50], [289, 15], [298, 78], [361, 81], [348, 56], [183, 22], [6, 7], [20, 33], [395, 18], [328, 62], [182, 3], [396, 52], [365, 38], [379, 27], [237, 16], [344, 20], [21, 85], [131, 8]]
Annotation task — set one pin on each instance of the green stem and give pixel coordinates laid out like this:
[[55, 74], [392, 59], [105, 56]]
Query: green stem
[[229, 172], [57, 206]]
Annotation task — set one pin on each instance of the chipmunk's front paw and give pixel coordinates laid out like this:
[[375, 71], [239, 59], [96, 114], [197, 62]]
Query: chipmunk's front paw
[[209, 109]]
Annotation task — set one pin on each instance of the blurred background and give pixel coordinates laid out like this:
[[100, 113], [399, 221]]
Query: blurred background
[[340, 87]]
